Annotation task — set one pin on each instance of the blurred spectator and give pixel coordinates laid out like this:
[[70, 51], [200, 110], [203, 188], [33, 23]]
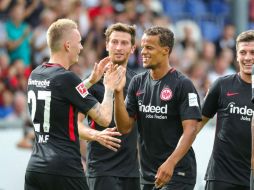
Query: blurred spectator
[[104, 8], [222, 65], [198, 75], [227, 40], [18, 33], [19, 117], [17, 76], [208, 53], [79, 14], [6, 107], [39, 41]]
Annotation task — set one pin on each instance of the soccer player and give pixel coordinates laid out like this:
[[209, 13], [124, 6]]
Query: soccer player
[[55, 95], [166, 106], [107, 169], [229, 97]]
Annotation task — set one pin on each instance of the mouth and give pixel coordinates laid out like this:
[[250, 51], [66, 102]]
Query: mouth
[[145, 59]]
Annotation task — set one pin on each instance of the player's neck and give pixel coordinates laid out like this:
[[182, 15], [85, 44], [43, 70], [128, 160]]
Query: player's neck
[[160, 71], [245, 77], [59, 59]]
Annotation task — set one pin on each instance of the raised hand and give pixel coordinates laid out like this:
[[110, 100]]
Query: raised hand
[[107, 138], [98, 70], [114, 76]]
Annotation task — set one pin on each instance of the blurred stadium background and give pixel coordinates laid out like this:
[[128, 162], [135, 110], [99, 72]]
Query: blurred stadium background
[[204, 50]]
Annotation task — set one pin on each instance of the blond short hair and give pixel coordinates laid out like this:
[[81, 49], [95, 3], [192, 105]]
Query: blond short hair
[[57, 30]]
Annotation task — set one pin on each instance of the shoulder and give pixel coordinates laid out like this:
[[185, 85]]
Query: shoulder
[[130, 72], [141, 76], [226, 79]]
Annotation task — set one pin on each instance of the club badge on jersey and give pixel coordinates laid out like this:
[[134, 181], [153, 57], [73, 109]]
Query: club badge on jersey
[[82, 90], [166, 94]]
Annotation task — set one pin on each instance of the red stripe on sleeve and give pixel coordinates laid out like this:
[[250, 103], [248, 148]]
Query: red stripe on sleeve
[[92, 125], [71, 124]]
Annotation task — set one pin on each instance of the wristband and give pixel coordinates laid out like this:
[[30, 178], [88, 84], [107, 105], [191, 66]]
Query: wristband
[[87, 83]]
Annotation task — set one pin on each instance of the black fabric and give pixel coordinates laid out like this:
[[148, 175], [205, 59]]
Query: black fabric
[[160, 106], [41, 181], [172, 185], [104, 162], [113, 183], [220, 185], [230, 98], [53, 102]]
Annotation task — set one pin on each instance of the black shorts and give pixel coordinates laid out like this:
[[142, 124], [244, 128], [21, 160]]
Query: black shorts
[[215, 185], [172, 185], [113, 183], [41, 181]]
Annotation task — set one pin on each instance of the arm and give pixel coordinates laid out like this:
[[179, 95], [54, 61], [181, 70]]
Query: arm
[[11, 45], [166, 170], [102, 113], [106, 137], [202, 123], [123, 121]]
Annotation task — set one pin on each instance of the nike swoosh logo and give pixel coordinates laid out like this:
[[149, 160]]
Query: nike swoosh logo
[[138, 93], [232, 93]]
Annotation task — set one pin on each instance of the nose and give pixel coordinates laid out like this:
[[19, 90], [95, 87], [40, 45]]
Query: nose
[[119, 46], [248, 56], [143, 51]]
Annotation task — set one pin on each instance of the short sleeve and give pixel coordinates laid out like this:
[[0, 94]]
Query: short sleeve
[[74, 90], [189, 103], [210, 105], [130, 101]]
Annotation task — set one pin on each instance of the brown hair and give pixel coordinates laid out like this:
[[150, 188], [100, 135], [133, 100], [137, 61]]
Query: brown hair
[[121, 27], [246, 36]]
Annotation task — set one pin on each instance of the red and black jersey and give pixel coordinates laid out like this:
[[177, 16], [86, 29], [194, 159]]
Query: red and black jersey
[[160, 106], [230, 98], [55, 96]]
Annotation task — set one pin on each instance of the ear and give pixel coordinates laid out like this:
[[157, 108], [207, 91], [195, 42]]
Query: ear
[[106, 46], [67, 46], [133, 48], [165, 50]]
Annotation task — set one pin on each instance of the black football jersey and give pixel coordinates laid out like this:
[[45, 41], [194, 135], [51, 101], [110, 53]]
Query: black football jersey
[[230, 98], [104, 162], [55, 96], [160, 106]]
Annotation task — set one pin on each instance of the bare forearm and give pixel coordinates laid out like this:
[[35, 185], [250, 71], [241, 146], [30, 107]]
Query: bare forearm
[[202, 123], [86, 133], [102, 113], [122, 119], [184, 144]]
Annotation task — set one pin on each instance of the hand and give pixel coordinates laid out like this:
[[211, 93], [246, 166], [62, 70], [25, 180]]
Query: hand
[[98, 70], [107, 138], [114, 76], [122, 82], [164, 173]]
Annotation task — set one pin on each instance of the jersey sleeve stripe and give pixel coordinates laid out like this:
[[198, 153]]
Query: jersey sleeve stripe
[[71, 124]]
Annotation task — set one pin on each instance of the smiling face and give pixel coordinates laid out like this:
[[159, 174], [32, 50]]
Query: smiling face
[[152, 52], [245, 57], [119, 47]]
